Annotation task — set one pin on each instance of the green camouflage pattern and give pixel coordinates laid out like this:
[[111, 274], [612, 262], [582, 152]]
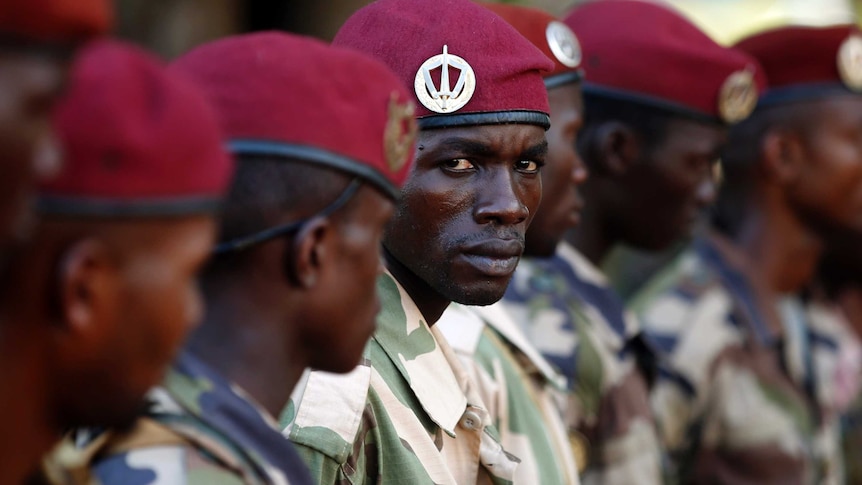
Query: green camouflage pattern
[[735, 398], [567, 310], [409, 413], [523, 393]]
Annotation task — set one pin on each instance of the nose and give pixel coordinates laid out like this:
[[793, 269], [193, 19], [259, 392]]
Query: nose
[[499, 199], [706, 191]]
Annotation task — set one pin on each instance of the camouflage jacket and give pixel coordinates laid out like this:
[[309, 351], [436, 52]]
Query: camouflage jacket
[[198, 429], [735, 399], [523, 393], [568, 312], [408, 413]]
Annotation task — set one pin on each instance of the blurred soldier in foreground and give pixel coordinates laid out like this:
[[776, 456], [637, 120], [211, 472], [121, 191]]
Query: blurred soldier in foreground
[[740, 400], [291, 284], [649, 147], [106, 292], [37, 39], [520, 388], [410, 413]]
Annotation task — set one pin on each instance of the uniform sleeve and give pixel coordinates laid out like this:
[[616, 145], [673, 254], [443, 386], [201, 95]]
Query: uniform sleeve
[[162, 465], [324, 470]]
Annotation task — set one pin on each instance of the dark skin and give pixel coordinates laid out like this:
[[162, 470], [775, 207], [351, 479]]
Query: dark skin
[[646, 198], [561, 176], [99, 311], [263, 326], [459, 228]]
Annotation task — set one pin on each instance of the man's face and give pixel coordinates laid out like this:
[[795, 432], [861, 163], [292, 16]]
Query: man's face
[[669, 187], [29, 84], [155, 303], [464, 211], [337, 332], [561, 201], [828, 191]]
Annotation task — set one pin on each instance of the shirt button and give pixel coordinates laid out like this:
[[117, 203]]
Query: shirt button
[[470, 420]]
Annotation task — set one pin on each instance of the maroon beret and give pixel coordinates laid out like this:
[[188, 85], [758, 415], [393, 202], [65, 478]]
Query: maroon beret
[[467, 66], [554, 38], [285, 95], [642, 52], [807, 62], [55, 20], [137, 140]]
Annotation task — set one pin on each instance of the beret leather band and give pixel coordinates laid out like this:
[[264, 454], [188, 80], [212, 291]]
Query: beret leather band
[[562, 79], [651, 101], [802, 92], [523, 117], [98, 207], [315, 155]]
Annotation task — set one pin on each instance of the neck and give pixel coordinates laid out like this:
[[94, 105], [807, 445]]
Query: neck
[[591, 237], [777, 244], [248, 342], [27, 431], [430, 303]]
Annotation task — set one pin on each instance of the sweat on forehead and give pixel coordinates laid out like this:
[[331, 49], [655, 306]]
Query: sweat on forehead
[[493, 75]]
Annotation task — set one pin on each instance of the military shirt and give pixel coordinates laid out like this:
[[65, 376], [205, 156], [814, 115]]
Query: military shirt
[[734, 399], [198, 429], [522, 391], [567, 310], [409, 413]]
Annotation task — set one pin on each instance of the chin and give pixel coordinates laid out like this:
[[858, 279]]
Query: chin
[[484, 294]]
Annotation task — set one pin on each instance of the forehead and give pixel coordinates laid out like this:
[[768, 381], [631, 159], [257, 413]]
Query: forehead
[[492, 137], [834, 111], [693, 136]]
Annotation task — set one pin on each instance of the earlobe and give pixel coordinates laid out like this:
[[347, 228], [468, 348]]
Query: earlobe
[[617, 147], [310, 252], [83, 284], [782, 156]]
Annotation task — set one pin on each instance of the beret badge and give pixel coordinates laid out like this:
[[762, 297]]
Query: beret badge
[[400, 132], [850, 62], [563, 43], [737, 97], [444, 98]]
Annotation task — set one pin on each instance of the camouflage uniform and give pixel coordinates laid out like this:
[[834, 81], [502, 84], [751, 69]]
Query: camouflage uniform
[[408, 413], [567, 310], [522, 391], [735, 395], [198, 429]]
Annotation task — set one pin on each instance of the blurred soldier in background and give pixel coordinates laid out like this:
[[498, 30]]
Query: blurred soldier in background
[[291, 284], [106, 292], [742, 399], [650, 147], [520, 388], [411, 413]]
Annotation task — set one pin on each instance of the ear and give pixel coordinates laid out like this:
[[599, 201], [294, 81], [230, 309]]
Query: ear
[[783, 156], [615, 148], [87, 286], [310, 252]]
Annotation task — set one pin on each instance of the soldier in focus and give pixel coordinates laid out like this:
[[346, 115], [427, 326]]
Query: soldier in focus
[[521, 389], [410, 413], [106, 291], [741, 399], [291, 283]]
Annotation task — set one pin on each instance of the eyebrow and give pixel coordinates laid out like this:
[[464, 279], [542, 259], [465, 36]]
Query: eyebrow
[[477, 148], [539, 150]]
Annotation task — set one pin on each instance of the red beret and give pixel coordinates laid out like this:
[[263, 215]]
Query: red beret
[[286, 95], [554, 38], [55, 20], [493, 75], [646, 53], [137, 140], [807, 62]]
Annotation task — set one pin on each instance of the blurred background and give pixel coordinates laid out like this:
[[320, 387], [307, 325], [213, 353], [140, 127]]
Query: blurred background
[[171, 27]]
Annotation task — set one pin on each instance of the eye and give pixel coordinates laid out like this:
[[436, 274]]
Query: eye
[[528, 166], [458, 165]]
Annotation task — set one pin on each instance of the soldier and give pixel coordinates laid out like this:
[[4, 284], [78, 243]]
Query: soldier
[[34, 51], [741, 399], [106, 291], [520, 388], [410, 413], [291, 284], [649, 146]]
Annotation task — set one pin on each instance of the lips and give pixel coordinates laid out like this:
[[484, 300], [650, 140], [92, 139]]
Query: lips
[[496, 257]]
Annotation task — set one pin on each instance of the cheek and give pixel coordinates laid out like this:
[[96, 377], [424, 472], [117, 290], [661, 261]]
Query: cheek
[[424, 212]]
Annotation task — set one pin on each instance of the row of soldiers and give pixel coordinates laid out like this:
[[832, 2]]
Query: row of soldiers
[[379, 261]]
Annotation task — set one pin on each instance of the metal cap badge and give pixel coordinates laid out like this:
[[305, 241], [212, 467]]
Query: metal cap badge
[[738, 96], [563, 43], [850, 62], [445, 99]]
